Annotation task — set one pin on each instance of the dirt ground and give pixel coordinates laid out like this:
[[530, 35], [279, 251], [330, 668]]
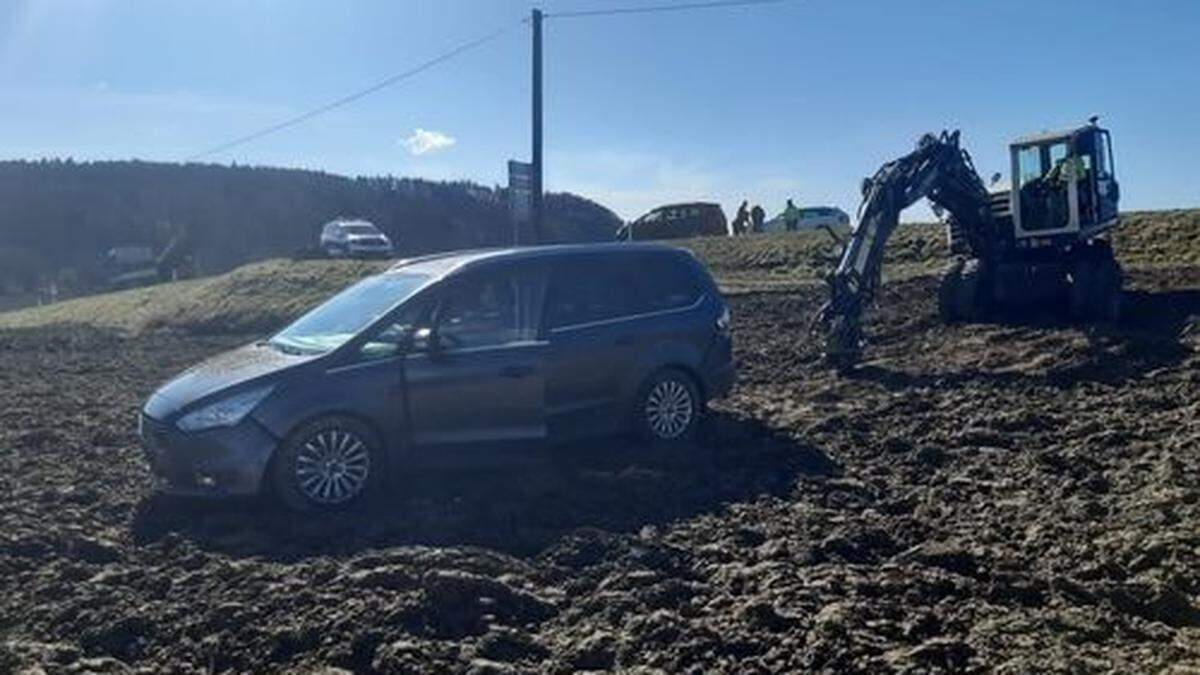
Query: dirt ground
[[1016, 497]]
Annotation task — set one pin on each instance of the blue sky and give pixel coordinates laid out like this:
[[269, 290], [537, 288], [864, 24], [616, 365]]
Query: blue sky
[[799, 98]]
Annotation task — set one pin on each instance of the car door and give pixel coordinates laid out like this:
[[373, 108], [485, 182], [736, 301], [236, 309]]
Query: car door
[[480, 377], [591, 344]]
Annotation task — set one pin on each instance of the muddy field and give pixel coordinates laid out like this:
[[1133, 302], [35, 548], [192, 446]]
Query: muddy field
[[1015, 497]]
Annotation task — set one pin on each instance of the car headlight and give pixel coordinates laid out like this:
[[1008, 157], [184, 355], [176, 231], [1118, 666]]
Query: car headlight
[[224, 413]]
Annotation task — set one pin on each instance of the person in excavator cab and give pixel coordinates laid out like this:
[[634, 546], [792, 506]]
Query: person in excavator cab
[[1058, 179]]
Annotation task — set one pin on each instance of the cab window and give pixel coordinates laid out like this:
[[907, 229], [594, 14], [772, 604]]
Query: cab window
[[1058, 152], [1029, 164], [1103, 158]]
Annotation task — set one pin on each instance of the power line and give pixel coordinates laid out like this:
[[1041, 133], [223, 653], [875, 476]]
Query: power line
[[660, 8], [345, 100], [465, 47]]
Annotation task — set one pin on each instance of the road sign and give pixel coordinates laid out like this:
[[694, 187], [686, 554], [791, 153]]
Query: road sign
[[520, 196]]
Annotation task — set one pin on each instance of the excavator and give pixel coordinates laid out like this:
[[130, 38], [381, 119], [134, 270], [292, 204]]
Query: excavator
[[1044, 237]]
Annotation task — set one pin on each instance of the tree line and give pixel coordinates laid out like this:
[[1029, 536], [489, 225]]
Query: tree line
[[59, 217]]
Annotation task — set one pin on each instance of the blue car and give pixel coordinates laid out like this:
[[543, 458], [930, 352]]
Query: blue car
[[470, 350]]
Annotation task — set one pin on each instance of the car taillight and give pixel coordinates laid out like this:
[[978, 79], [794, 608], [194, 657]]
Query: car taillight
[[724, 319]]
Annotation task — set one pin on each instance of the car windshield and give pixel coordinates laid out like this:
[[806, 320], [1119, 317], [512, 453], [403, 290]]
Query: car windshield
[[344, 315], [360, 229]]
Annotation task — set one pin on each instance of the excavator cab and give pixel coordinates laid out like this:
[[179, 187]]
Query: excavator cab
[[1064, 184]]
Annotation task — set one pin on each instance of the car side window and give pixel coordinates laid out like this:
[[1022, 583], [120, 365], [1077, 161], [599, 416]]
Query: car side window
[[584, 291], [480, 311], [658, 283]]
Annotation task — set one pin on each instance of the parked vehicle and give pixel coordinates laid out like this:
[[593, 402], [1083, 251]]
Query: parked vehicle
[[677, 221], [137, 265], [811, 219], [354, 238], [445, 353]]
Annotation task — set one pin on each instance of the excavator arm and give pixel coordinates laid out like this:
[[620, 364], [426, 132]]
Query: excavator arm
[[938, 170]]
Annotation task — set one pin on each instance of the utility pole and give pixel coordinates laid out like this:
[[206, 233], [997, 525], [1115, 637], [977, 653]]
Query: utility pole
[[537, 127]]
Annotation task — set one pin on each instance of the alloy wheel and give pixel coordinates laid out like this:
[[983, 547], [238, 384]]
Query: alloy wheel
[[669, 409], [332, 466]]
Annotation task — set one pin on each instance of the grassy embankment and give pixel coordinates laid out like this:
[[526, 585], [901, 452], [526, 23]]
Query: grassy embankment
[[262, 296]]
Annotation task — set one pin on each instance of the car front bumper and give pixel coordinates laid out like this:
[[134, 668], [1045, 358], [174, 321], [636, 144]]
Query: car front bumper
[[720, 370], [219, 462], [720, 381], [369, 249]]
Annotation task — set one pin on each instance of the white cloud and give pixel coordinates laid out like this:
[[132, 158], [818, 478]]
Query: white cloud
[[424, 142]]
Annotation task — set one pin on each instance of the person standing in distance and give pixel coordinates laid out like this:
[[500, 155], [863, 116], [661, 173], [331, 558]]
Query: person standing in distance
[[791, 217], [757, 217]]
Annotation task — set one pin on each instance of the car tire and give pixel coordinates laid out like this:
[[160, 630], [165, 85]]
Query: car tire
[[327, 464], [668, 407]]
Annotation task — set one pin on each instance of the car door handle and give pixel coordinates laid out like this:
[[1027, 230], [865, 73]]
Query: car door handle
[[624, 341], [517, 371]]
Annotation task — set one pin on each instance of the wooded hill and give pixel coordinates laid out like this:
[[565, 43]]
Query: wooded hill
[[58, 217]]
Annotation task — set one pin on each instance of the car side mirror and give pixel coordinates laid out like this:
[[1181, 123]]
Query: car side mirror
[[424, 339], [995, 178]]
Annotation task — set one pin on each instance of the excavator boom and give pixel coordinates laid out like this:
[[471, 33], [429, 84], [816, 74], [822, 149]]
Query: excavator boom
[[939, 170]]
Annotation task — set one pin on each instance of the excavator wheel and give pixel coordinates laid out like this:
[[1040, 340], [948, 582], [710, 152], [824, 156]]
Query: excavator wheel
[[960, 293], [1097, 290], [1111, 303], [1082, 273], [948, 291]]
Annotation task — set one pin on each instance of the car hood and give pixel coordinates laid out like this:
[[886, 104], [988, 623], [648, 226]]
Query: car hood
[[224, 371]]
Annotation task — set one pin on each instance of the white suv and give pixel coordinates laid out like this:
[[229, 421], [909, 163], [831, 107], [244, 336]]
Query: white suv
[[354, 238], [811, 219]]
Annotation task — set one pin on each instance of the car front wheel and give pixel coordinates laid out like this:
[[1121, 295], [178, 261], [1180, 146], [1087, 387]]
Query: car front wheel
[[669, 407], [327, 464]]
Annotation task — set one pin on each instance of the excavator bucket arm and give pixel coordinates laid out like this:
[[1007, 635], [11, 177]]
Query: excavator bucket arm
[[939, 170]]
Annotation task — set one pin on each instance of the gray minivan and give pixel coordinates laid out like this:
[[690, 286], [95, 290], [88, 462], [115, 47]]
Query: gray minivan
[[444, 353]]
